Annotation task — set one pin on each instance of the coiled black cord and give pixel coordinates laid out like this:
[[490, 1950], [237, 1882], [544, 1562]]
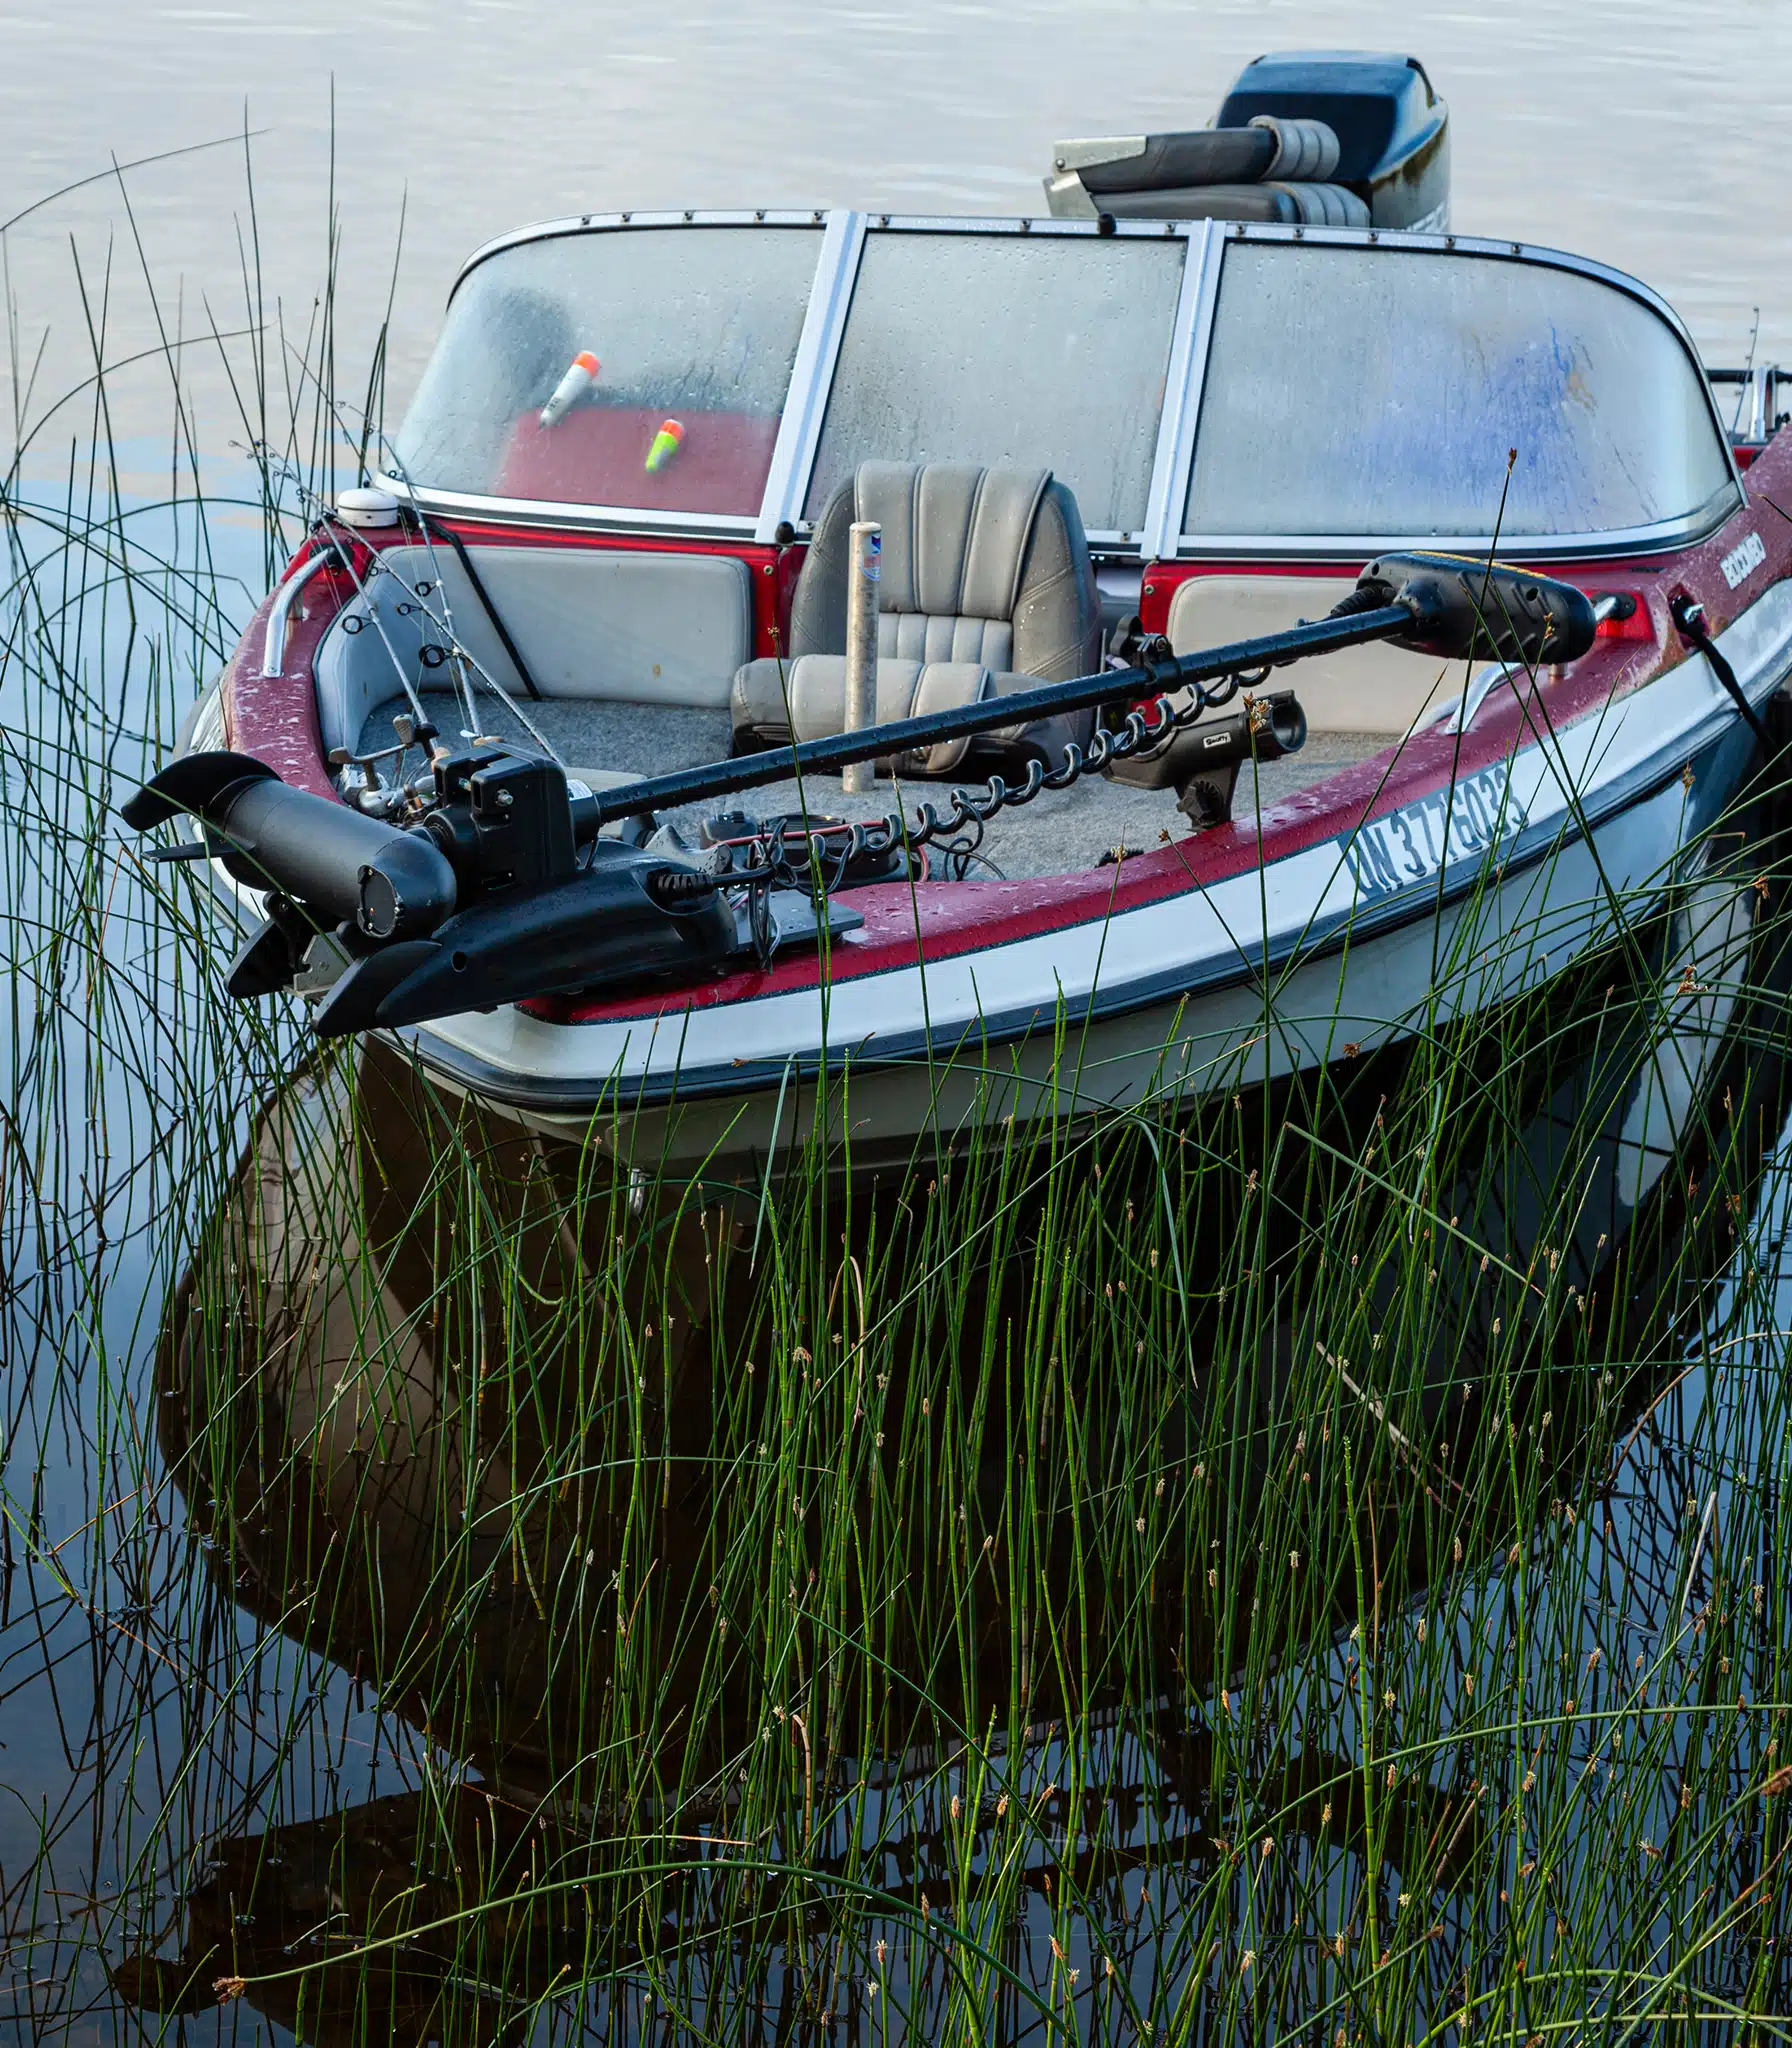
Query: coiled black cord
[[960, 832]]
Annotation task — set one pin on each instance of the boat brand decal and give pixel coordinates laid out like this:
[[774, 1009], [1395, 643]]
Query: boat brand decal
[[1385, 855], [1747, 555]]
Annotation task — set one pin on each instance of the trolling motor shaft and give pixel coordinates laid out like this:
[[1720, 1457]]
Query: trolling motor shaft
[[1449, 606]]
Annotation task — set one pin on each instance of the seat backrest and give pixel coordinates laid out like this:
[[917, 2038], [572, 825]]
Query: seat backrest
[[983, 565]]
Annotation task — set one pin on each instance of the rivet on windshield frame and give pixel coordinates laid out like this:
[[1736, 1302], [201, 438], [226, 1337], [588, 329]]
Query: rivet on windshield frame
[[1449, 241], [759, 213], [626, 218], [883, 220], [1518, 248], [584, 220], [1026, 226], [817, 216], [1375, 234], [688, 214], [1300, 234]]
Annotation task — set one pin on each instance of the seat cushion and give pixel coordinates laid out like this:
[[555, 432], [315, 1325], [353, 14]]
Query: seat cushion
[[984, 565], [775, 702], [933, 636]]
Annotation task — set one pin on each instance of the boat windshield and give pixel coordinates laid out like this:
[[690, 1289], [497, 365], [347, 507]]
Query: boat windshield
[[1008, 349], [1358, 390], [692, 331], [1223, 393]]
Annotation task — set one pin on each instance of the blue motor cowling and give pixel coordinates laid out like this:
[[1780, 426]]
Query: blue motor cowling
[[1338, 138]]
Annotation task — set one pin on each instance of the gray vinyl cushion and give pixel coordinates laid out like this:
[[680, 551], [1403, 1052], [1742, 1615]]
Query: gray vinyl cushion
[[645, 626], [806, 699], [987, 565]]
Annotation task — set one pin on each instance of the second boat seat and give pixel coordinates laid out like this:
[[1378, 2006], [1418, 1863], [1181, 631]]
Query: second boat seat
[[986, 589]]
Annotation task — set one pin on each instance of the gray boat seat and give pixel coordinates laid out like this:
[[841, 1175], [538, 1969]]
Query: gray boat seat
[[986, 589]]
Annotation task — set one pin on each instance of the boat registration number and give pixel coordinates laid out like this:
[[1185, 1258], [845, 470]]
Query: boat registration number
[[1387, 854]]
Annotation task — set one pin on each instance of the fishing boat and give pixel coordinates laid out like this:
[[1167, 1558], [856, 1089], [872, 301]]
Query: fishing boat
[[1216, 634]]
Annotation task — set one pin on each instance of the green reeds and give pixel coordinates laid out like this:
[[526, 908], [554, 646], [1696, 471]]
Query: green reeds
[[1297, 1560]]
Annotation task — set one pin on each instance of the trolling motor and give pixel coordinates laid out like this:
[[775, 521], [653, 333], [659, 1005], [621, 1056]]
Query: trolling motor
[[502, 890], [500, 887]]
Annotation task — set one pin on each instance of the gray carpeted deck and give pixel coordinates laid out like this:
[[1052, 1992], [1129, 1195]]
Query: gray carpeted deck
[[1056, 834]]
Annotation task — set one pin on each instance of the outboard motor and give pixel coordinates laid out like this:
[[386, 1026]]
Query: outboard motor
[[1330, 138]]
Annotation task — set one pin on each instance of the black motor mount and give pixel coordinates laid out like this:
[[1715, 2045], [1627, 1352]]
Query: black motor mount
[[1202, 761]]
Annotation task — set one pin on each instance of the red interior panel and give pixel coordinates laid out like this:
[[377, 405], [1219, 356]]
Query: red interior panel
[[597, 455]]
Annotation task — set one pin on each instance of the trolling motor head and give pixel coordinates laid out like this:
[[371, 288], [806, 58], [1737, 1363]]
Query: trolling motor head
[[1464, 609], [502, 889]]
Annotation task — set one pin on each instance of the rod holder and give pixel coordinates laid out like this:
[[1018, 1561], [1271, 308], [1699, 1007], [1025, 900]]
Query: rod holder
[[858, 777]]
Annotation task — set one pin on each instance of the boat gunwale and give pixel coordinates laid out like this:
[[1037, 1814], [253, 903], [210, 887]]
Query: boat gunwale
[[649, 1087]]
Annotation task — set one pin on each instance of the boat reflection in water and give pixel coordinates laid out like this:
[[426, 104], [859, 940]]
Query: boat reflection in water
[[720, 1601]]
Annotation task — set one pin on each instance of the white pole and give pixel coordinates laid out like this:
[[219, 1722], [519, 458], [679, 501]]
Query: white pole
[[861, 646]]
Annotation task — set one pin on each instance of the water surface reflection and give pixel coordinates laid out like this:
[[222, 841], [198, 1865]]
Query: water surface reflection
[[799, 1660]]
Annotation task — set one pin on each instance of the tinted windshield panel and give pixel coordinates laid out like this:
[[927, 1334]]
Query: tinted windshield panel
[[1377, 392], [693, 325], [1008, 350]]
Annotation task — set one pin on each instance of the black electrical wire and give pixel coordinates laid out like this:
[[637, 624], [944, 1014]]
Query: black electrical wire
[[1689, 620], [438, 531]]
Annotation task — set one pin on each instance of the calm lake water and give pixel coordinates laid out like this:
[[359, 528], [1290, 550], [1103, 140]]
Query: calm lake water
[[1647, 134]]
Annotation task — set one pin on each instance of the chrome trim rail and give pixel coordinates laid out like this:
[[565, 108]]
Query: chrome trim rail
[[273, 646], [575, 517], [1615, 544], [600, 223], [1184, 381], [812, 374]]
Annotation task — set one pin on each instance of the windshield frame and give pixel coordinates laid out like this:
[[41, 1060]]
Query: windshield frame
[[1680, 531], [840, 247]]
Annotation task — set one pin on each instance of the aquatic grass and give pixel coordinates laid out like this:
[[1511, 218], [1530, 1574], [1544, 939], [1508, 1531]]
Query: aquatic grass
[[797, 1434], [1272, 1563]]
